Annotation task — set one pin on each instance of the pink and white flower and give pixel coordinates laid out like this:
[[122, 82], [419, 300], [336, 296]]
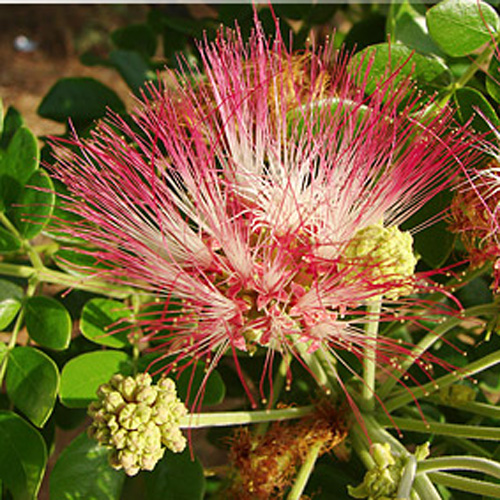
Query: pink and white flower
[[239, 191]]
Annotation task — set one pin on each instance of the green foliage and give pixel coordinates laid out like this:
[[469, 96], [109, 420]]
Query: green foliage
[[406, 24], [32, 383], [82, 471], [196, 387], [11, 123], [384, 58], [82, 375], [140, 38], [23, 457], [48, 322], [81, 100], [10, 302], [493, 78], [34, 205], [8, 242], [18, 162], [460, 27], [435, 255], [133, 68], [176, 477], [104, 322], [474, 108]]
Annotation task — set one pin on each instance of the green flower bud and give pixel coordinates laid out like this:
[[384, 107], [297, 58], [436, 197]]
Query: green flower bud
[[147, 395], [127, 388], [119, 439], [144, 380], [167, 385], [127, 417], [104, 390], [113, 402], [128, 460], [382, 481], [116, 380], [422, 452], [382, 455], [150, 459], [112, 423]]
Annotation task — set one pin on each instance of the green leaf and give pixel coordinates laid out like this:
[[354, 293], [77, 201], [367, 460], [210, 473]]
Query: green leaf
[[100, 317], [132, 67], [21, 158], [368, 31], [468, 102], [11, 123], [8, 242], [82, 376], [74, 262], [1, 117], [136, 37], [17, 165], [10, 302], [190, 384], [425, 241], [48, 322], [23, 456], [407, 25], [176, 477], [35, 205], [83, 472], [475, 293], [460, 27], [32, 383], [493, 78], [384, 58], [80, 99]]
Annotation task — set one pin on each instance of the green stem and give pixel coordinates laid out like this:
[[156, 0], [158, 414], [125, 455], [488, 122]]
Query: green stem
[[483, 409], [426, 390], [470, 446], [57, 278], [460, 430], [32, 254], [305, 472], [407, 478], [373, 432], [278, 382], [425, 489], [482, 488], [370, 355], [461, 462], [468, 74], [475, 66], [428, 341], [222, 419], [316, 364]]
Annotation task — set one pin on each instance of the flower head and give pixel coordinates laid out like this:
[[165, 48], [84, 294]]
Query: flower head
[[476, 217], [263, 194]]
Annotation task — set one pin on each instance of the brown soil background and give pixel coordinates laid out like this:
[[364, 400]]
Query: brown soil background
[[62, 33]]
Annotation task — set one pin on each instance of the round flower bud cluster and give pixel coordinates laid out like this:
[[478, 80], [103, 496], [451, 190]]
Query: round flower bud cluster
[[387, 254], [137, 420]]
